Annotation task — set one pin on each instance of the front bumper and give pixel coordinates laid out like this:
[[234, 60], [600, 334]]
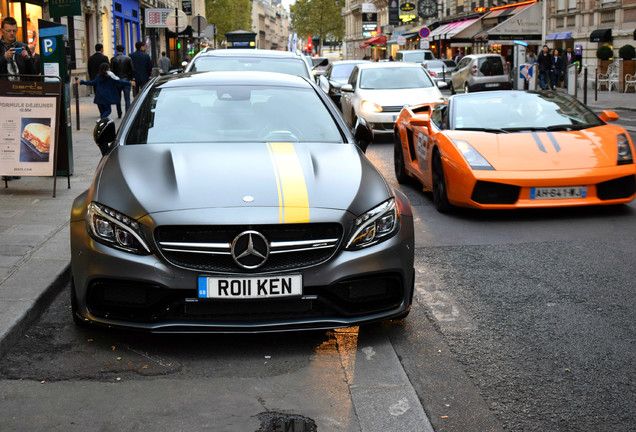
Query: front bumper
[[118, 289], [381, 123]]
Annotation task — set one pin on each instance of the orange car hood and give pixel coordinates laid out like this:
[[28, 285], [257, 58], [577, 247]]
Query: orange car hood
[[538, 151]]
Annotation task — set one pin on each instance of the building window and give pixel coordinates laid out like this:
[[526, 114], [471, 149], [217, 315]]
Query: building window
[[560, 5], [607, 16], [571, 4]]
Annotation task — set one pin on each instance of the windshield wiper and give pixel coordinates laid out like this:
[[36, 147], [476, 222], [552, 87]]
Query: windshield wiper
[[480, 129], [568, 127]]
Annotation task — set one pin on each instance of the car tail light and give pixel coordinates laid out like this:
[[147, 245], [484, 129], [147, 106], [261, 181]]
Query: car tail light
[[506, 68], [431, 73], [474, 70]]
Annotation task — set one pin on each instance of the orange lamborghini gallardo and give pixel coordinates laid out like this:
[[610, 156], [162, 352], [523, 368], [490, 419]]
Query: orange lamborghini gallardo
[[514, 149]]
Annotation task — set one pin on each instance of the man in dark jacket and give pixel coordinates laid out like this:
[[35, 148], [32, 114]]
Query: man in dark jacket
[[143, 66], [122, 66], [15, 57], [545, 65], [96, 60], [557, 68]]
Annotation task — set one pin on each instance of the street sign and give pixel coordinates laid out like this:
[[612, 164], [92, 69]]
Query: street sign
[[424, 32], [171, 21], [156, 17], [199, 23], [186, 6], [401, 40], [210, 31], [424, 44]]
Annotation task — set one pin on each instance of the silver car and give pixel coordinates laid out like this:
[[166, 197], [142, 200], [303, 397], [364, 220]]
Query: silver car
[[238, 201], [476, 72]]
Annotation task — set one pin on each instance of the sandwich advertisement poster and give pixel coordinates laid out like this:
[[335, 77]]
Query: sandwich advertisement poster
[[27, 146]]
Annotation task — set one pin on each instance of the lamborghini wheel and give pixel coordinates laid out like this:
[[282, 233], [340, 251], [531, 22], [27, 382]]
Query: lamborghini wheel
[[440, 196], [398, 162]]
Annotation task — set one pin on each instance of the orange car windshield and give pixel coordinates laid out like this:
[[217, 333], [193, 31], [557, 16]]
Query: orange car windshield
[[519, 111]]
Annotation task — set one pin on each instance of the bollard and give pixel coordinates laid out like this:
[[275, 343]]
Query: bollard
[[596, 84], [585, 86], [77, 116]]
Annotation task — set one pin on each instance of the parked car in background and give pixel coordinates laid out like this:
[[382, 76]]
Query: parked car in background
[[337, 75], [476, 72], [414, 56], [440, 70], [377, 92], [249, 60]]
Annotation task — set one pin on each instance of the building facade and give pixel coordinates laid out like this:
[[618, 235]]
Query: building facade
[[271, 23]]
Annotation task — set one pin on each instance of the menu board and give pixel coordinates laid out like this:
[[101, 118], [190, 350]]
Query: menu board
[[28, 128]]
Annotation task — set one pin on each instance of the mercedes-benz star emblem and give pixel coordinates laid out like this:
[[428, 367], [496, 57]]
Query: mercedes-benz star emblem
[[250, 249]]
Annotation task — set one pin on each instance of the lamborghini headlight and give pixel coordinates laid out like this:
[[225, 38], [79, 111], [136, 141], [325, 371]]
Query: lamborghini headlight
[[374, 226], [370, 107], [115, 229], [624, 150], [472, 156]]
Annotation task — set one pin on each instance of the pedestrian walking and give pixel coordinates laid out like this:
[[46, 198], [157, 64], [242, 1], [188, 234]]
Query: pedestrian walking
[[459, 56], [556, 66], [122, 66], [143, 66], [164, 63], [106, 89], [15, 56], [568, 59], [36, 59], [531, 58], [545, 65], [96, 60]]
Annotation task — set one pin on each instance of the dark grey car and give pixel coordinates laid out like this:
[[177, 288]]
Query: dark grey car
[[238, 201]]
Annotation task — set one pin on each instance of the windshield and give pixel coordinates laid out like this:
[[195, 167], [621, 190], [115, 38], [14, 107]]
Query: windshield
[[415, 57], [342, 71], [393, 78], [435, 64], [233, 114], [520, 111], [290, 66]]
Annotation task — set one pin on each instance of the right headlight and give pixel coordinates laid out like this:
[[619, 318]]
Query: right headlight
[[624, 150], [374, 226], [115, 229]]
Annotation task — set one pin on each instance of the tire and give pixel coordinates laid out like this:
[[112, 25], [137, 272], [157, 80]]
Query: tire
[[398, 161], [451, 88], [79, 322], [440, 195]]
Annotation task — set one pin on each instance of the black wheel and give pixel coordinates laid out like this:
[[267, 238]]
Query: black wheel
[[451, 88], [74, 310], [398, 161], [440, 197]]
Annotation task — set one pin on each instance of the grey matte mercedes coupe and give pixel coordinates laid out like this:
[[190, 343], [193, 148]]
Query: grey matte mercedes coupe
[[238, 202]]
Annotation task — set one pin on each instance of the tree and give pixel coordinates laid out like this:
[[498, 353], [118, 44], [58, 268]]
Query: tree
[[229, 15], [320, 18]]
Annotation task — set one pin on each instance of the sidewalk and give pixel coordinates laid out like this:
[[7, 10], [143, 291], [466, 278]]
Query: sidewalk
[[34, 232], [34, 229]]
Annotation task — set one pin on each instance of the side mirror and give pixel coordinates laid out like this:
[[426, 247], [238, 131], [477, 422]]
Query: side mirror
[[363, 134], [104, 134], [442, 84], [608, 116], [347, 88]]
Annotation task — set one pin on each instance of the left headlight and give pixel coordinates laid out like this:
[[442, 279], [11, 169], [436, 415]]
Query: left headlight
[[624, 150], [374, 226], [370, 107], [472, 156], [115, 229]]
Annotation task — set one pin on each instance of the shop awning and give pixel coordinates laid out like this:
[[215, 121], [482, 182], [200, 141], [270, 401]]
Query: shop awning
[[601, 35], [526, 25], [559, 36], [507, 10], [442, 29], [376, 40], [460, 26]]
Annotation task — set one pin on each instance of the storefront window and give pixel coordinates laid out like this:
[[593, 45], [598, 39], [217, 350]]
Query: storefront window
[[33, 13]]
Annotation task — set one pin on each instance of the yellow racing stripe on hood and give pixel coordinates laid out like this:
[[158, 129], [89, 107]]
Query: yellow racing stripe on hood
[[293, 198]]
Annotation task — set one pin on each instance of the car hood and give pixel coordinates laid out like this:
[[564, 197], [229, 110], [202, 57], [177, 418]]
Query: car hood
[[291, 179], [537, 151], [401, 97]]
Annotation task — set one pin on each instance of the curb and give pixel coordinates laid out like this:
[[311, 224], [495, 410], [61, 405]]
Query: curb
[[20, 326]]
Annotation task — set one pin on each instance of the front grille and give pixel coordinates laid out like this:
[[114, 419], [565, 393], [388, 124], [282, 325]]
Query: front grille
[[140, 302], [495, 193], [623, 187], [392, 108], [207, 248]]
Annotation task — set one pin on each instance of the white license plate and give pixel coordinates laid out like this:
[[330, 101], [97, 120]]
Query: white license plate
[[250, 287], [395, 118], [492, 85], [559, 192]]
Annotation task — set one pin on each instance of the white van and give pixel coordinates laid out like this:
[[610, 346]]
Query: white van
[[414, 56]]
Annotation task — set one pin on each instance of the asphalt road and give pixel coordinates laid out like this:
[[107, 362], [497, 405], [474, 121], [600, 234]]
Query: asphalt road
[[522, 321]]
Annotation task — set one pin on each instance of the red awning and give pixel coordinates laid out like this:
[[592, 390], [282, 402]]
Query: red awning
[[377, 40]]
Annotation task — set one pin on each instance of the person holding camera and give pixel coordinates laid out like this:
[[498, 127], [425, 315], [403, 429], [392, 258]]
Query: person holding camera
[[15, 57]]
